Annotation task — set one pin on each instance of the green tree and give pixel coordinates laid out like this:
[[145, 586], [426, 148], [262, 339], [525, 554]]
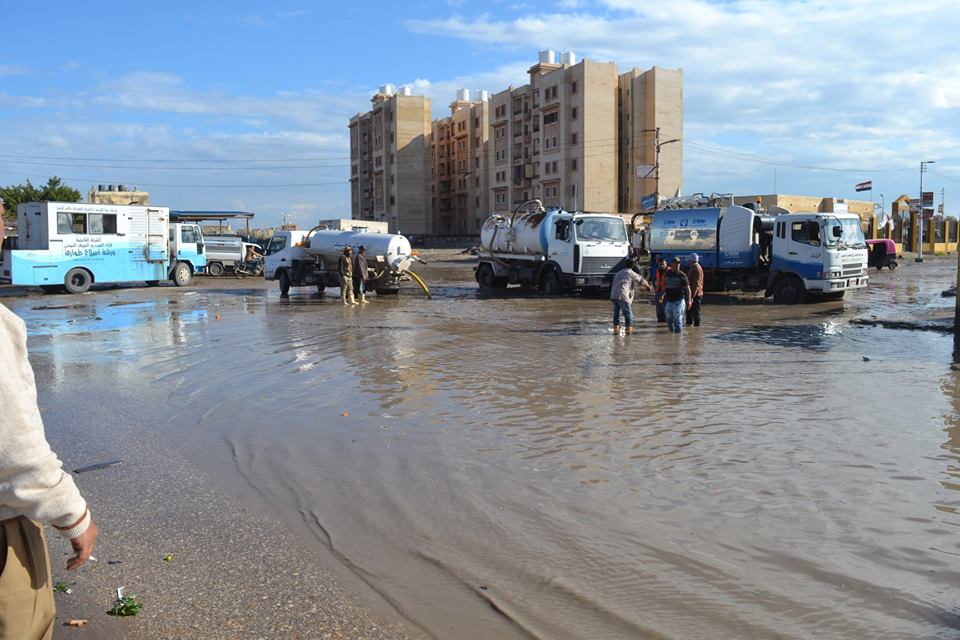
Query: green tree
[[54, 191]]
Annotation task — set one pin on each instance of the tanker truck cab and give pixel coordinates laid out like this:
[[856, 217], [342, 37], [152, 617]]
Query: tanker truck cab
[[553, 251], [820, 253]]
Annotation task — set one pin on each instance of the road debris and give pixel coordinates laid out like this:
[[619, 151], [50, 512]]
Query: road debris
[[125, 605], [97, 467], [77, 622]]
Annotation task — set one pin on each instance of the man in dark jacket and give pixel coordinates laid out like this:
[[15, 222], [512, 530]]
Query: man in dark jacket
[[676, 295], [346, 277], [361, 274]]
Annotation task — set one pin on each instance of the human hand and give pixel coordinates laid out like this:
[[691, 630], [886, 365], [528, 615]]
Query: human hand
[[83, 547]]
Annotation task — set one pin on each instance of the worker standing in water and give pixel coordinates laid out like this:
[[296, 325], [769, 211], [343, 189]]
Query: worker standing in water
[[346, 277], [624, 287]]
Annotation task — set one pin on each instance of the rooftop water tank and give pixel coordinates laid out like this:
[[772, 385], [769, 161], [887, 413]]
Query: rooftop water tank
[[547, 56]]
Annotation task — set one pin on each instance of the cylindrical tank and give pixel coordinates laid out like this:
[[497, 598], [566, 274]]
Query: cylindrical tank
[[527, 235], [395, 249]]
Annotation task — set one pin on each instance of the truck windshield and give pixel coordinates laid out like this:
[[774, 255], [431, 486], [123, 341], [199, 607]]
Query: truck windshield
[[601, 230], [851, 234]]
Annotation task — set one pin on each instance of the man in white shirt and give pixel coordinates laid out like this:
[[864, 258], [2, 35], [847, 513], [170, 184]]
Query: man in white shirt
[[624, 287], [33, 487]]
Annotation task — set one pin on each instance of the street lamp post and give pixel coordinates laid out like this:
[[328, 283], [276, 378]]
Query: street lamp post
[[284, 217], [656, 161], [923, 167]]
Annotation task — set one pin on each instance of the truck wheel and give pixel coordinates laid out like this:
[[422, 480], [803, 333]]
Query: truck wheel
[[284, 281], [891, 265], [215, 269], [77, 280], [485, 277], [501, 283], [182, 275], [789, 290], [551, 284]]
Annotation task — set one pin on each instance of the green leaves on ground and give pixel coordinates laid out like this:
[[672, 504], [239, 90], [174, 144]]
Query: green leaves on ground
[[125, 606], [62, 587]]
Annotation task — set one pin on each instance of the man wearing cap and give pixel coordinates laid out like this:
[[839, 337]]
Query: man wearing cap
[[622, 290], [361, 274], [675, 296], [695, 277], [346, 276], [33, 488]]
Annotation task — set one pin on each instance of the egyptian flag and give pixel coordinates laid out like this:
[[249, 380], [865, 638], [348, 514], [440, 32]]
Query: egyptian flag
[[865, 186]]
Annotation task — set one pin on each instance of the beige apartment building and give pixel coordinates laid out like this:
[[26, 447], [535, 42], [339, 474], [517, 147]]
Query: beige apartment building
[[390, 162], [578, 135], [555, 138], [651, 135], [459, 186]]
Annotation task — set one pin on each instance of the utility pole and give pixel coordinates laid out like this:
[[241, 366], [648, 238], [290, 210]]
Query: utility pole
[[923, 168], [656, 160]]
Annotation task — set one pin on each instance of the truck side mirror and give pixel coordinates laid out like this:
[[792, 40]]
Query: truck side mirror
[[837, 231]]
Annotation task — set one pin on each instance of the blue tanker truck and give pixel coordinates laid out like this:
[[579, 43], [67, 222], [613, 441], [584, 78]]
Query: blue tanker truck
[[785, 255]]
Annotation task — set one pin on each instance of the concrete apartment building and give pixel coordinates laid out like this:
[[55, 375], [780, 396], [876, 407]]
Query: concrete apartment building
[[556, 138], [651, 115], [458, 145], [578, 136], [390, 162]]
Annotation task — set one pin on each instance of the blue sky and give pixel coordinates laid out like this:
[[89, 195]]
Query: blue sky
[[245, 106]]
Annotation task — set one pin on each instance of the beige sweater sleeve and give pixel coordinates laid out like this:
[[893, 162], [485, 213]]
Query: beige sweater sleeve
[[32, 481]]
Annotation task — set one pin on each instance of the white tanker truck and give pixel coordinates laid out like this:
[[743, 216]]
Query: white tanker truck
[[298, 258], [551, 250]]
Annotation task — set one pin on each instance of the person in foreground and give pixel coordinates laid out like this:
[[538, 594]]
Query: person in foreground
[[624, 287], [33, 488]]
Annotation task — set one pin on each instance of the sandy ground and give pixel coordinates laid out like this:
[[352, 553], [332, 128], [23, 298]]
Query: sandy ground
[[235, 571]]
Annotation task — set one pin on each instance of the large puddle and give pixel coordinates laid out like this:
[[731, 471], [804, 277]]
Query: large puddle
[[504, 467]]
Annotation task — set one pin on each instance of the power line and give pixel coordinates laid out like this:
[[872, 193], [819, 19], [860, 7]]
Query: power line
[[195, 186]]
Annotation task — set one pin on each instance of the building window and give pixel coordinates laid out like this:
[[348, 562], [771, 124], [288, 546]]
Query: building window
[[550, 118], [573, 87], [554, 141], [555, 166], [573, 113], [573, 138], [573, 164]]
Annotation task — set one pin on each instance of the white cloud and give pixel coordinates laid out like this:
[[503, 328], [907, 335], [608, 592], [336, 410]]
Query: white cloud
[[13, 70], [811, 83]]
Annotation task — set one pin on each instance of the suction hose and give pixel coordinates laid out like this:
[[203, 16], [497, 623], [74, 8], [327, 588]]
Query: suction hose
[[419, 281]]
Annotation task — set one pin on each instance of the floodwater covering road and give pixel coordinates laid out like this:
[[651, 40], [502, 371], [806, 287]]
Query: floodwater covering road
[[504, 467]]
